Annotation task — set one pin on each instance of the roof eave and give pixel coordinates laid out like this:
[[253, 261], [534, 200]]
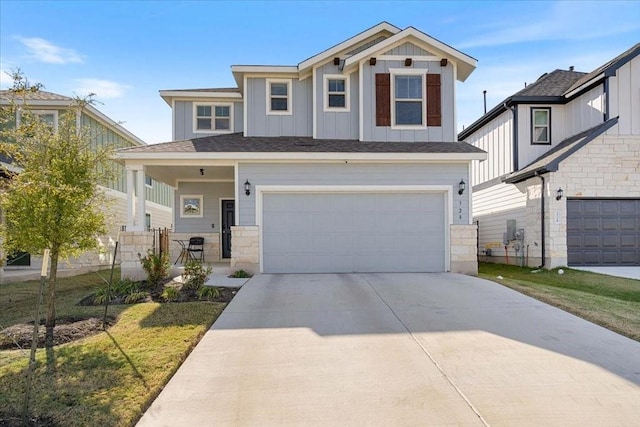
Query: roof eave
[[301, 156]]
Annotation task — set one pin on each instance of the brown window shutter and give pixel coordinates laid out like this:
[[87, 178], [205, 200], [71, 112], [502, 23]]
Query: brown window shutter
[[434, 101], [383, 99]]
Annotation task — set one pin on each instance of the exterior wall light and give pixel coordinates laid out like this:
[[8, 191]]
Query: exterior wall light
[[201, 171], [461, 187], [247, 187], [559, 194]]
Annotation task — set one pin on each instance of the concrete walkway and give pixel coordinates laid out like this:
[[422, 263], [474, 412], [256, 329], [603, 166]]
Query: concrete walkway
[[399, 349], [626, 272]]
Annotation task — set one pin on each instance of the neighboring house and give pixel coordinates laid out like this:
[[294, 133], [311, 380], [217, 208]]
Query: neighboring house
[[345, 162], [159, 196], [576, 137]]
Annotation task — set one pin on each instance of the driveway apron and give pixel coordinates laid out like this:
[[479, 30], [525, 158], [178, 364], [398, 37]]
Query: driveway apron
[[399, 349]]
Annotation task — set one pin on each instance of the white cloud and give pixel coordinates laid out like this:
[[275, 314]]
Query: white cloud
[[561, 21], [44, 51], [102, 88]]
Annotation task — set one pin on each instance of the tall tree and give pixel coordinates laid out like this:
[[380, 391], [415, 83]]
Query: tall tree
[[55, 200]]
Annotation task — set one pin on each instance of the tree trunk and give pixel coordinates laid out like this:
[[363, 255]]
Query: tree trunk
[[50, 321]]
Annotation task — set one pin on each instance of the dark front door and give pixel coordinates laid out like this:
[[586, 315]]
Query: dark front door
[[228, 220]]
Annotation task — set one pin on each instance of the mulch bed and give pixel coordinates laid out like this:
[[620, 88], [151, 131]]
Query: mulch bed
[[70, 329], [15, 420]]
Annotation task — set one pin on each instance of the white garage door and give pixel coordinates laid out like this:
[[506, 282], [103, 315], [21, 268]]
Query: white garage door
[[353, 232]]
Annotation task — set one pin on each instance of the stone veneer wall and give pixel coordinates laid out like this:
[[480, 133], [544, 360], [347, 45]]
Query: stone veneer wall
[[464, 249], [131, 244], [245, 248]]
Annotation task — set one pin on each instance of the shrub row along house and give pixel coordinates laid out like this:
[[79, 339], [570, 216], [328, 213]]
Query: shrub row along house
[[103, 130], [561, 185], [345, 162]]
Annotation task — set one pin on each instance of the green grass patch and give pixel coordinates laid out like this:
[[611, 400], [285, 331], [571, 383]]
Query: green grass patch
[[612, 302], [107, 379]]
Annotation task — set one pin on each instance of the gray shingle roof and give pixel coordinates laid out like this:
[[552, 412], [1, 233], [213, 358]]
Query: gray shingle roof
[[236, 143], [39, 95], [550, 160], [612, 65], [554, 83]]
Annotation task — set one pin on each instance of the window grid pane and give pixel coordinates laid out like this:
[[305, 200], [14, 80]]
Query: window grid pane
[[408, 87], [336, 101], [279, 104], [541, 134], [222, 124], [541, 117], [204, 111], [222, 111], [278, 89], [408, 113], [203, 124], [336, 85]]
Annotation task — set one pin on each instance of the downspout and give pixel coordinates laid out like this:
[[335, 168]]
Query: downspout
[[514, 138], [542, 242]]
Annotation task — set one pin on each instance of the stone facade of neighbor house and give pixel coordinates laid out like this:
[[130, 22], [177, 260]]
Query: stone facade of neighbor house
[[561, 182]]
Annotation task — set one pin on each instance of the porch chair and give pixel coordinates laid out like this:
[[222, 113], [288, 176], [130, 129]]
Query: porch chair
[[196, 248]]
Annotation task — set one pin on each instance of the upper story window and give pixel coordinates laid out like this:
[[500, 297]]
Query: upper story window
[[279, 96], [49, 117], [213, 118], [409, 100], [336, 89], [541, 125], [148, 181]]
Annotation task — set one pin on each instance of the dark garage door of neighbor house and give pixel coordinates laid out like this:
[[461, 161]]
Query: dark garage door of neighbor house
[[603, 232]]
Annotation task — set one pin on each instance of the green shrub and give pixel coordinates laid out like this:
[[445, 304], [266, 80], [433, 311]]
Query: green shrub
[[208, 292], [241, 274], [195, 274], [157, 266], [170, 293], [125, 290]]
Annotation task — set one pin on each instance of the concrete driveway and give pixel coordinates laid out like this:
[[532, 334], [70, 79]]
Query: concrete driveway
[[400, 349]]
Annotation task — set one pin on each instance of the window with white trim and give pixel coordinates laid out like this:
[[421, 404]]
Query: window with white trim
[[147, 221], [336, 89], [213, 118], [408, 98], [279, 96], [541, 125], [49, 117]]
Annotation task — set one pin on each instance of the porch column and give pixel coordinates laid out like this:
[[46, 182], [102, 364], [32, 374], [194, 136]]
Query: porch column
[[142, 200], [130, 197]]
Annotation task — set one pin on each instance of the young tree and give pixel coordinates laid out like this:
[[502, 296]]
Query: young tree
[[54, 201]]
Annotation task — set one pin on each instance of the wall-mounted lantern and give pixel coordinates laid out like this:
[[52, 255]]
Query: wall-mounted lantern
[[247, 187], [461, 187], [559, 194]]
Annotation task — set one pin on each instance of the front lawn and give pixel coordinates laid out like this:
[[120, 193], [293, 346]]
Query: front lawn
[[612, 302], [107, 379]]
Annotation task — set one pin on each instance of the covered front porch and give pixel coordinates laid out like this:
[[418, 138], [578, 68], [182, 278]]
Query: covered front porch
[[205, 194]]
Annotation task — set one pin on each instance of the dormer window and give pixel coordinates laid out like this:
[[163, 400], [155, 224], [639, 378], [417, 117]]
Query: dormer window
[[212, 118], [336, 89], [541, 125], [279, 96]]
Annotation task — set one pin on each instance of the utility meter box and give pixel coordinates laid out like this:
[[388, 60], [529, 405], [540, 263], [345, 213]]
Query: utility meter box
[[520, 235], [511, 229]]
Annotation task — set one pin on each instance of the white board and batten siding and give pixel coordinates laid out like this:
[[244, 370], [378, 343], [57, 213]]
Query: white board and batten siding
[[495, 138], [624, 93], [585, 111], [492, 207]]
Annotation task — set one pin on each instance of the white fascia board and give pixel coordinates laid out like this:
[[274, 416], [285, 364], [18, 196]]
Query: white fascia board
[[331, 52], [585, 84], [264, 69], [466, 64], [172, 95], [169, 158]]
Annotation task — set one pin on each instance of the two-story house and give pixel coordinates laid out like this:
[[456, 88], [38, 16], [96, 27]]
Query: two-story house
[[345, 162], [157, 195], [561, 185]]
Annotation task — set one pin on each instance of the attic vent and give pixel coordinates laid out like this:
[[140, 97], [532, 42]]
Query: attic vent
[[571, 68]]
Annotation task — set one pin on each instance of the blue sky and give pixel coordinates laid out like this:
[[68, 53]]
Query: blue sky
[[126, 51]]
